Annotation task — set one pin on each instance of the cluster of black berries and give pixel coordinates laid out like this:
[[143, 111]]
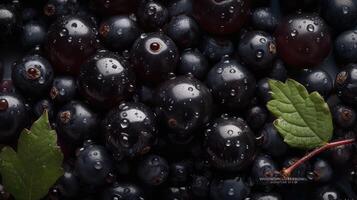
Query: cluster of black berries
[[166, 99]]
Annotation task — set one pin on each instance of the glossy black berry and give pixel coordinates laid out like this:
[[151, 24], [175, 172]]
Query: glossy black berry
[[63, 90], [76, 122], [130, 130], [340, 155], [266, 196], [193, 62], [346, 47], [264, 19], [32, 75], [154, 56], [229, 189], [317, 80], [119, 32], [9, 22], [41, 106], [272, 142], [215, 48], [33, 33], [278, 71], [230, 143], [344, 84], [153, 170], [94, 165], [344, 116], [257, 49], [263, 90], [106, 79], [125, 191], [321, 171], [152, 15], [57, 8], [256, 117], [68, 186], [184, 105], [264, 168], [70, 41], [184, 31], [303, 40], [221, 17], [178, 7], [231, 83], [13, 116], [336, 11]]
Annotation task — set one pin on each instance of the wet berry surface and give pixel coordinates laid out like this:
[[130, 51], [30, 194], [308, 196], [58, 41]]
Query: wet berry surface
[[167, 99]]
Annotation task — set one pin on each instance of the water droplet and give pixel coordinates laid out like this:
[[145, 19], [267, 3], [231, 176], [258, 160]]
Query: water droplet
[[233, 93], [231, 192], [263, 40], [124, 123], [345, 10], [98, 165], [228, 143], [259, 55], [294, 33], [310, 28]]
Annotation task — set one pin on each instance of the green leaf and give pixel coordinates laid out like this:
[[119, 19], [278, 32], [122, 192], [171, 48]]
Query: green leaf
[[304, 120], [29, 173]]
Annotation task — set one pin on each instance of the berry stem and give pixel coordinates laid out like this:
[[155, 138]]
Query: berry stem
[[287, 171]]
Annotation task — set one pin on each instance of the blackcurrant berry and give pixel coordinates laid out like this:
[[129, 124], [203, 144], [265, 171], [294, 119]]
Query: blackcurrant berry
[[344, 116], [184, 31], [33, 75], [229, 189], [33, 34], [63, 89], [264, 168], [215, 48], [184, 104], [154, 57], [346, 47], [70, 41], [106, 79], [335, 12], [257, 49], [230, 143], [272, 142], [130, 130], [264, 19], [153, 170], [94, 165], [119, 32], [152, 15], [303, 40], [13, 116], [231, 83], [193, 62], [76, 122], [345, 81], [221, 17]]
